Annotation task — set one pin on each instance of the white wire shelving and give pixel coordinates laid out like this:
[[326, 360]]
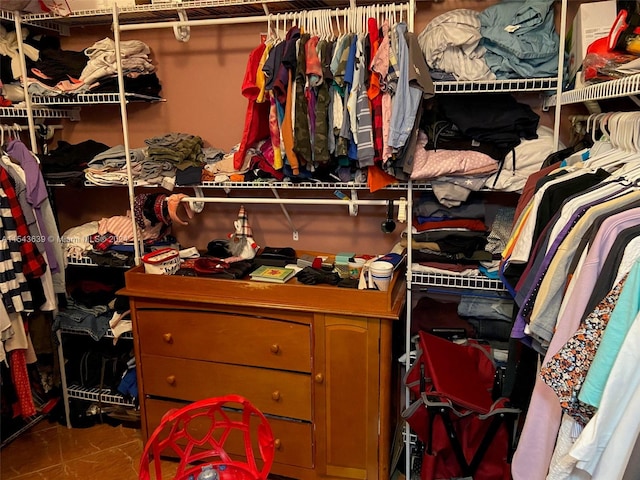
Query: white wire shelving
[[512, 85], [42, 112], [457, 281], [298, 185], [88, 262], [92, 99], [96, 394], [162, 11], [262, 184], [81, 262], [103, 395], [622, 87], [109, 334]]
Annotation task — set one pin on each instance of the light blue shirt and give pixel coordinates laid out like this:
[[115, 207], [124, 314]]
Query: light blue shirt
[[406, 100], [520, 39]]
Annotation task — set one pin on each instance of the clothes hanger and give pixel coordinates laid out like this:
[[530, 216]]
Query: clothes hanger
[[321, 28], [367, 15], [322, 21], [604, 125], [345, 20], [630, 171], [269, 29], [277, 32], [12, 133], [601, 144], [307, 26], [608, 160], [623, 137], [628, 134], [328, 26]]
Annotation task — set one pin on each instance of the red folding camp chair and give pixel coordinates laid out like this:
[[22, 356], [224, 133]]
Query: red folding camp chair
[[466, 432], [228, 433]]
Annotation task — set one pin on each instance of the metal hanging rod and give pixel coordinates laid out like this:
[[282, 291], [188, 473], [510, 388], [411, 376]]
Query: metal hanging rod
[[288, 16], [284, 201], [25, 128]]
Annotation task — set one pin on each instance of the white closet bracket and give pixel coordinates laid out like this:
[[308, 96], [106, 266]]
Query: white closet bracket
[[635, 99], [197, 206], [182, 32], [286, 215], [402, 209], [353, 203]]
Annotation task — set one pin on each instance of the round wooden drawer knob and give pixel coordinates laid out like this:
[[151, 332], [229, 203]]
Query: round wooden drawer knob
[[167, 337], [277, 443], [171, 379], [319, 378], [275, 348], [275, 395]]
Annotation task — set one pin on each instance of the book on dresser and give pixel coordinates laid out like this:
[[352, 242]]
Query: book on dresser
[[267, 273]]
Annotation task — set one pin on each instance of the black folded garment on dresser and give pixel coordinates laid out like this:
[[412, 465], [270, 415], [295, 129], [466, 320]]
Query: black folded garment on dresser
[[275, 257]]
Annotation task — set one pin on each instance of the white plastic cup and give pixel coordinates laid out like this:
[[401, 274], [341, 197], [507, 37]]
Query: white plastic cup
[[381, 273], [355, 267]]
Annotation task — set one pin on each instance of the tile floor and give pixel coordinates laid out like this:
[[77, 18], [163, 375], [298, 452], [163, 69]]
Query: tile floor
[[50, 451]]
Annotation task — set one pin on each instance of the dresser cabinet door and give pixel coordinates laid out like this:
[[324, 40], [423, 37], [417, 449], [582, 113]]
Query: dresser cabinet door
[[347, 389]]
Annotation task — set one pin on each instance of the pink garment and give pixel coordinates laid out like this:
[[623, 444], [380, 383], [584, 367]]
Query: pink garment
[[387, 151], [122, 227], [380, 65], [429, 164]]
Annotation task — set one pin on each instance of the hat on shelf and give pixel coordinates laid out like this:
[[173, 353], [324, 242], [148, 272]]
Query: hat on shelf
[[241, 242]]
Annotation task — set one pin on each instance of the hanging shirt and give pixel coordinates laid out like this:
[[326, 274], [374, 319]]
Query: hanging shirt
[[533, 455], [36, 195], [407, 97], [256, 126]]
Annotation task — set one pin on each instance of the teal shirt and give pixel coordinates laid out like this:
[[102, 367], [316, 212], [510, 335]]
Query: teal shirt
[[622, 317]]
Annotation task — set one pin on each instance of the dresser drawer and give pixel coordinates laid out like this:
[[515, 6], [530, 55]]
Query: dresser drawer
[[286, 394], [293, 439], [224, 337]]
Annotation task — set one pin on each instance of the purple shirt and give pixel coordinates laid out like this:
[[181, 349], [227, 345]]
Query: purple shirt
[[527, 306], [36, 194]]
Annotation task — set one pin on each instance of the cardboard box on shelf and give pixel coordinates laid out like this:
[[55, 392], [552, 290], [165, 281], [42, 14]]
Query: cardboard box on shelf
[[593, 21]]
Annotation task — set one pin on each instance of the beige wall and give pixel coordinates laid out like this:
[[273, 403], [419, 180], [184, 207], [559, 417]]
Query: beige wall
[[201, 83]]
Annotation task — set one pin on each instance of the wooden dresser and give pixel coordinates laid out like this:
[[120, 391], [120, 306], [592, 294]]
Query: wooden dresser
[[315, 358]]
